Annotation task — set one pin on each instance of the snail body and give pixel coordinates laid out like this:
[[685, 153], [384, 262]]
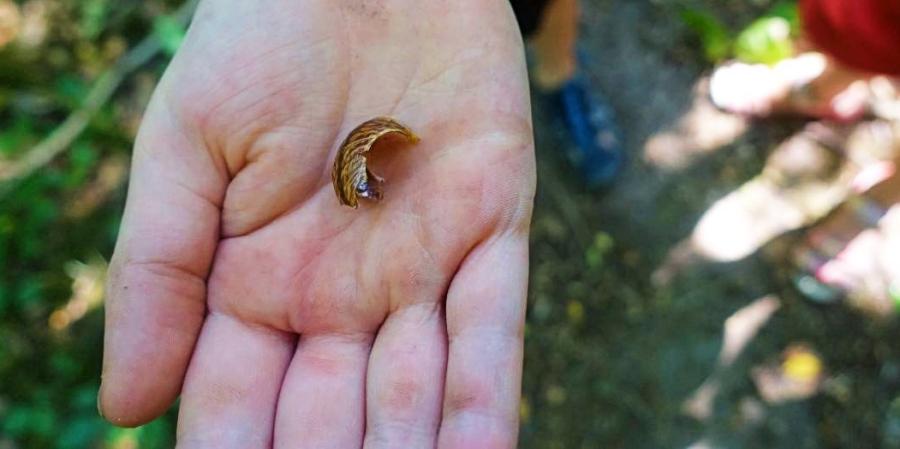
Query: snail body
[[350, 175]]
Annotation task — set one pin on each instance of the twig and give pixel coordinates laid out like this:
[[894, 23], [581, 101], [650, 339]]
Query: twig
[[62, 137]]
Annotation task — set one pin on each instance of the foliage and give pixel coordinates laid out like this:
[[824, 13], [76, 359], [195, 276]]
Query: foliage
[[766, 40], [169, 32], [713, 34], [58, 225]]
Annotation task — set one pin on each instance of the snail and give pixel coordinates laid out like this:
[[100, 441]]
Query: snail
[[351, 177]]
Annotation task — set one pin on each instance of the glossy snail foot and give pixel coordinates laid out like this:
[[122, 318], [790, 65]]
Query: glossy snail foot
[[371, 191]]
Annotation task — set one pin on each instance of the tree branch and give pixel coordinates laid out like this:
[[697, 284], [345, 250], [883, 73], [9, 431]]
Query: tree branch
[[103, 89]]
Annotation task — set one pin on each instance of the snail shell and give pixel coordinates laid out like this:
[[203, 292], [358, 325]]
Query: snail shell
[[351, 178]]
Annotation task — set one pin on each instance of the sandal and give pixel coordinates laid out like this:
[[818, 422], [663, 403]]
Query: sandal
[[840, 257], [589, 120]]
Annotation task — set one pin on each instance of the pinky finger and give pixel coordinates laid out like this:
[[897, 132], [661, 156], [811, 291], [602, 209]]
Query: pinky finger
[[485, 319]]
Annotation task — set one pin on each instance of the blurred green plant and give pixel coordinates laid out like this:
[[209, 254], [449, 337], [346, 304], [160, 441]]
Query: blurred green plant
[[596, 254], [170, 32], [93, 17], [58, 220], [713, 34], [766, 40]]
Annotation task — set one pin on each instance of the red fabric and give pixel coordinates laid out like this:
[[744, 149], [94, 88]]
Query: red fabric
[[863, 34]]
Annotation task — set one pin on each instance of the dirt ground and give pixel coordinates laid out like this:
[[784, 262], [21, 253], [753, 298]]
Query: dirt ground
[[616, 358]]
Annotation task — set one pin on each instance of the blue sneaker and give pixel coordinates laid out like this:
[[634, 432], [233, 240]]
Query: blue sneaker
[[590, 122]]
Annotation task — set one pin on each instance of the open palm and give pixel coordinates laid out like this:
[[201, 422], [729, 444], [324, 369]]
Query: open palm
[[285, 319]]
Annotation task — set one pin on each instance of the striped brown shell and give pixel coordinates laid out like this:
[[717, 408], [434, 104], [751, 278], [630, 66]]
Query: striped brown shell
[[351, 178]]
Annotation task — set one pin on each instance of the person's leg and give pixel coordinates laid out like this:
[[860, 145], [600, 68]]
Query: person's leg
[[843, 256], [555, 43], [552, 29]]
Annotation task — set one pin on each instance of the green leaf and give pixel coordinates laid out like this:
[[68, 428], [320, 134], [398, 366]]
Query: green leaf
[[15, 423], [64, 365], [71, 89], [4, 300], [596, 254], [80, 433], [93, 17], [85, 398], [38, 420], [169, 32], [83, 157], [765, 41], [787, 10], [18, 136], [712, 33], [156, 435], [30, 290]]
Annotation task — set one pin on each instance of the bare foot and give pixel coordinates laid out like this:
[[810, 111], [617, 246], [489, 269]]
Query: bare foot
[[809, 85]]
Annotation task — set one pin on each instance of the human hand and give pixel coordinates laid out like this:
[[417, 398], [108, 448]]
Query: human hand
[[284, 319]]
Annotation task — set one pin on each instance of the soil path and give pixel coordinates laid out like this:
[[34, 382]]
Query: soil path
[[612, 359]]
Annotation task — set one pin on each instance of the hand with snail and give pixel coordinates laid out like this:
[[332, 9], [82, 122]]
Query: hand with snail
[[280, 316]]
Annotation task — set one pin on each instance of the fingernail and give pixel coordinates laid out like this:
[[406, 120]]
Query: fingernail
[[99, 408]]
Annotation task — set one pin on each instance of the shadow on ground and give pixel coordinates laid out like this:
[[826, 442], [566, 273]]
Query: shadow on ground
[[614, 359]]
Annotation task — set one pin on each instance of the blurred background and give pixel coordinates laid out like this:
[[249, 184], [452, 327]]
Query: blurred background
[[673, 309]]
